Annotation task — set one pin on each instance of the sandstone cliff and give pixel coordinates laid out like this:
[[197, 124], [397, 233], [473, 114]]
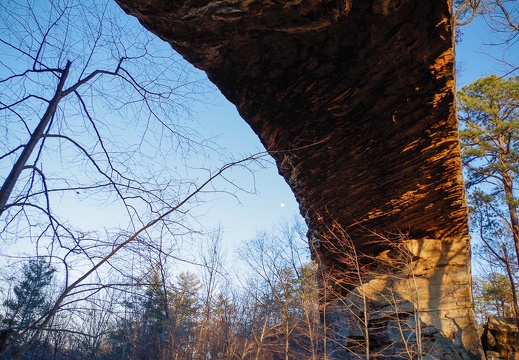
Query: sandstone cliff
[[355, 101]]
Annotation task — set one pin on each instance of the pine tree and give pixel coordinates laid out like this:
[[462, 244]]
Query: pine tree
[[30, 299], [489, 116], [492, 296]]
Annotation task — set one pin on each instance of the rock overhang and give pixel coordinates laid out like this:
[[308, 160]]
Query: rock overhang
[[354, 100]]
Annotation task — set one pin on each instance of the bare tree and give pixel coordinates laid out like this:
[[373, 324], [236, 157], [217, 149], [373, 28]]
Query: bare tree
[[465, 11], [284, 285], [501, 17], [213, 277], [99, 164], [371, 300], [495, 251], [74, 82]]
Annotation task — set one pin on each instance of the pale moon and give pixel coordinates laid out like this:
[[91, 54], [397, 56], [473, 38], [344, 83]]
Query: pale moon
[[282, 204]]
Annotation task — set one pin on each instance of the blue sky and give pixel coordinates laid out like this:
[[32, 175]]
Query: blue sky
[[477, 56]]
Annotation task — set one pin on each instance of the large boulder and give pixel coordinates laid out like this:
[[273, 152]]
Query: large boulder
[[501, 338]]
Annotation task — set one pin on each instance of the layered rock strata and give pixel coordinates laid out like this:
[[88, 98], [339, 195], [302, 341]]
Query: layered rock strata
[[355, 101]]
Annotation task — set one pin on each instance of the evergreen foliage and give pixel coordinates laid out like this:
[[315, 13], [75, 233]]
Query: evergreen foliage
[[30, 299], [493, 296], [489, 116]]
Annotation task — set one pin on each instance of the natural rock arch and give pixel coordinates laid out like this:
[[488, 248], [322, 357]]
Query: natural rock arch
[[355, 101]]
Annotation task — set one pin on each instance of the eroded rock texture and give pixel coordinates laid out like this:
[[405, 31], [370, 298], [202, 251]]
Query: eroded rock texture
[[355, 101]]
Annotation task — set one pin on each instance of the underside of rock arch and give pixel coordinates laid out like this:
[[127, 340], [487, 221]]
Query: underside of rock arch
[[355, 101]]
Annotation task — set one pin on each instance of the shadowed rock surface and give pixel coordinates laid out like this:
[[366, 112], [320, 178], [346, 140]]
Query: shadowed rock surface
[[355, 101], [501, 339]]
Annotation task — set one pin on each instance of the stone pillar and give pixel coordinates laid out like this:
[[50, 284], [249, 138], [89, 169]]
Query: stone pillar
[[414, 300]]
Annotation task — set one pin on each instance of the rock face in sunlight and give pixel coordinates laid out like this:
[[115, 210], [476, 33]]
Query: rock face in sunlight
[[355, 101]]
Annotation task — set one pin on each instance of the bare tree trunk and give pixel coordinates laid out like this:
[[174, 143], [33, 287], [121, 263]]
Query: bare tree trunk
[[514, 225], [36, 136], [287, 328], [262, 336], [510, 275]]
